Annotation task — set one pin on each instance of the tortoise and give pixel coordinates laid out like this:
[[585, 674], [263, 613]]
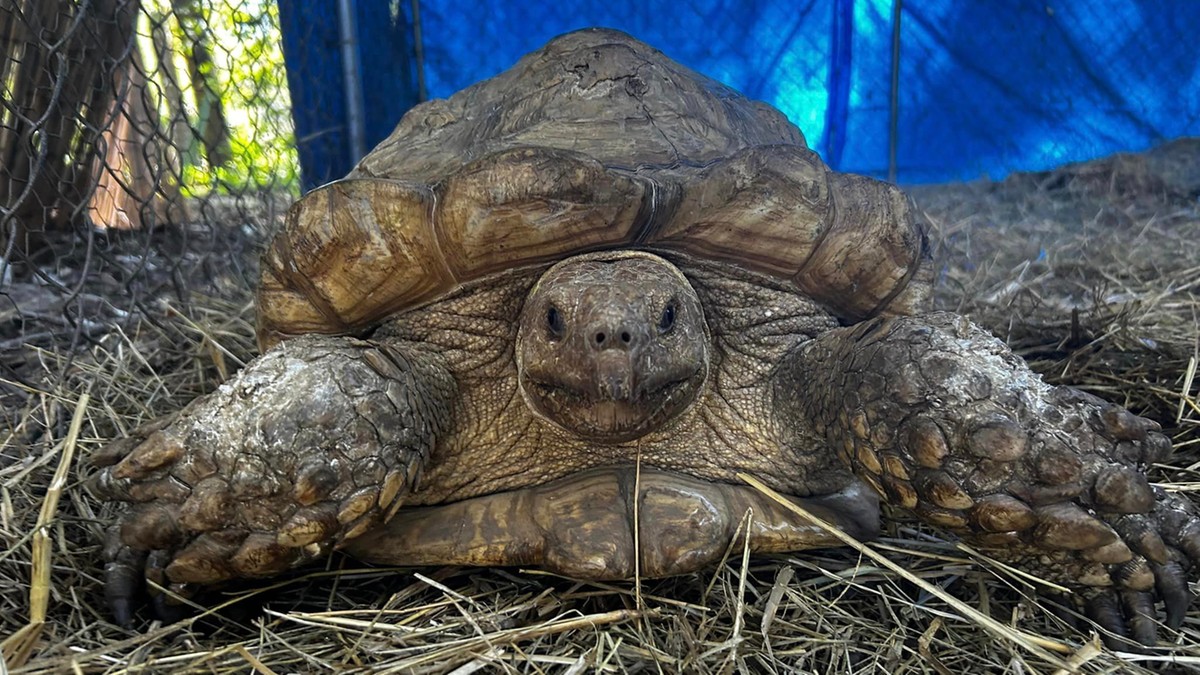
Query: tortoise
[[557, 319]]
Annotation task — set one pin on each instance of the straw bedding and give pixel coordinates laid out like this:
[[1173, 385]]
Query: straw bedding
[[1091, 272]]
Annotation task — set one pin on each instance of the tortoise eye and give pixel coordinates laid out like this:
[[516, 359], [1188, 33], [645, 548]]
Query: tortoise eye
[[554, 322], [667, 322]]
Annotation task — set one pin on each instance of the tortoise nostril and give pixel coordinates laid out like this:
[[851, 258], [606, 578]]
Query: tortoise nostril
[[618, 336]]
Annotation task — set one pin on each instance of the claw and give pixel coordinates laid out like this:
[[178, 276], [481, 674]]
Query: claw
[[1182, 530], [122, 578], [157, 451], [203, 561], [261, 556], [1110, 554], [1188, 541], [1134, 575], [1103, 608], [308, 525], [391, 487], [1139, 612], [357, 504], [167, 489], [1156, 448], [113, 452], [1172, 586]]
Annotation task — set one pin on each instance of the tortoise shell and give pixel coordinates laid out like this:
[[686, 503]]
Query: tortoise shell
[[596, 141]]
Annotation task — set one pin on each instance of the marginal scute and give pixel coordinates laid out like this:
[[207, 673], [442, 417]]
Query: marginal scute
[[767, 207], [350, 253], [533, 205], [873, 246], [541, 163]]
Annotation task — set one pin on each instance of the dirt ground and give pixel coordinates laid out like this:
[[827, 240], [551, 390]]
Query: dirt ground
[[1091, 272]]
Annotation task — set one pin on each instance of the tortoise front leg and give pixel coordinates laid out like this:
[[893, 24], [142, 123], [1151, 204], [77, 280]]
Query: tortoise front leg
[[941, 418], [307, 447]]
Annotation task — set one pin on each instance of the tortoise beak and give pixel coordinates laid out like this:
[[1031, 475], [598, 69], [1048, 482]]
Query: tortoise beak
[[617, 343], [614, 379]]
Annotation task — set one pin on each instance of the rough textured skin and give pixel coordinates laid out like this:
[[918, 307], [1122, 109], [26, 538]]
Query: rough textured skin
[[941, 418], [588, 294], [611, 347], [306, 447]]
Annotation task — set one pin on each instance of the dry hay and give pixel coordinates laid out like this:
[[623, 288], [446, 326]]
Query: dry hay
[[1091, 272]]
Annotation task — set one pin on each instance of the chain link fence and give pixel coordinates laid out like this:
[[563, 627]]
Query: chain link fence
[[144, 145]]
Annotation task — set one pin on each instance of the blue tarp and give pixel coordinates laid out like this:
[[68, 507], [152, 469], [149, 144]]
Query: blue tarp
[[984, 87]]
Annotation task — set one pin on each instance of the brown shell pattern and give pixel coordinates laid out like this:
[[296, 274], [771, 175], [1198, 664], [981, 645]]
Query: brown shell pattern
[[595, 141]]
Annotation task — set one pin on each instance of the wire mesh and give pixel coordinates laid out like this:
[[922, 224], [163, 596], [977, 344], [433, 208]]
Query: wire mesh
[[143, 147]]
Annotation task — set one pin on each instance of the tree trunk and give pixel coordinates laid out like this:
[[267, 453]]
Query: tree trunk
[[61, 99], [214, 132]]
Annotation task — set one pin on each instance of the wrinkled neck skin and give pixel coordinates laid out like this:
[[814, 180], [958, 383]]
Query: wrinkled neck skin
[[611, 347], [618, 359]]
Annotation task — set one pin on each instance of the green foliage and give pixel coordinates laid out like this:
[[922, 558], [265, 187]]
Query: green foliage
[[247, 74]]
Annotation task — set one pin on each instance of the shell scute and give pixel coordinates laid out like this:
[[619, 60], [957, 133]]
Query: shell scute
[[764, 208], [349, 253], [528, 205], [596, 141]]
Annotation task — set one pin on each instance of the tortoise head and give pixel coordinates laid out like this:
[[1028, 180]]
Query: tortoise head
[[612, 346]]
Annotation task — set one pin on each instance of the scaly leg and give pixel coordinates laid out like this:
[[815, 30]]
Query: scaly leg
[[306, 448], [941, 418]]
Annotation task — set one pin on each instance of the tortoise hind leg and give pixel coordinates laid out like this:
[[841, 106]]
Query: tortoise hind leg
[[306, 447], [941, 418]]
